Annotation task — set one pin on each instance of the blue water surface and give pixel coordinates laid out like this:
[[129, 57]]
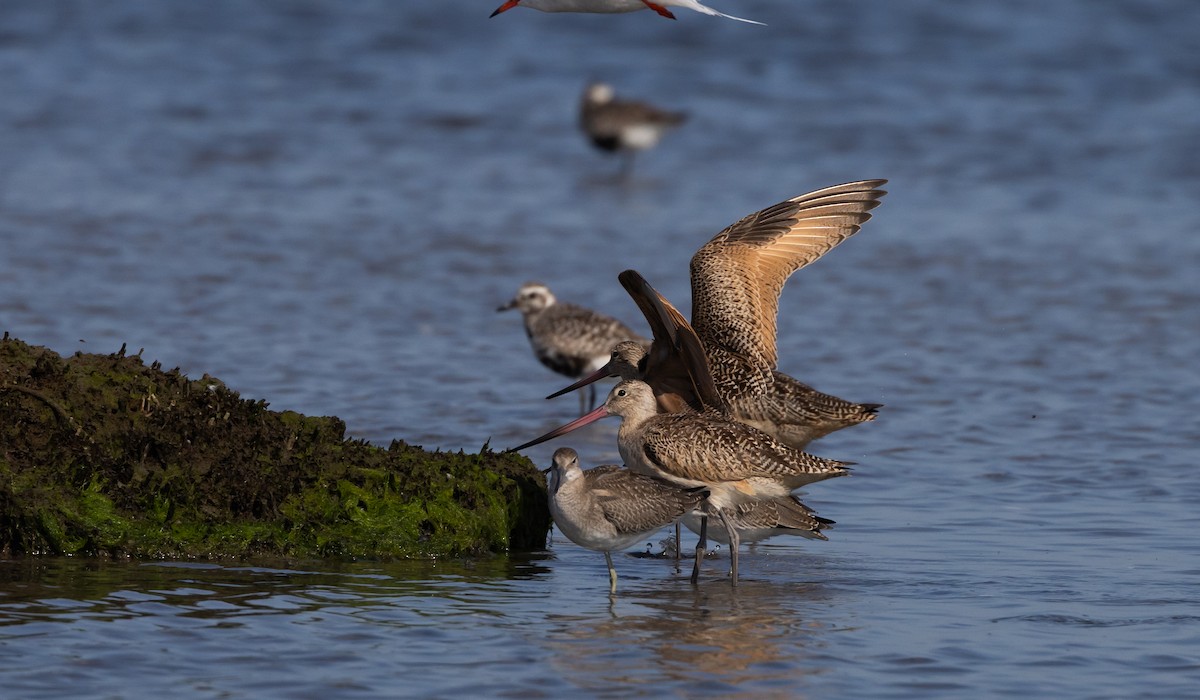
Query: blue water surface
[[322, 204]]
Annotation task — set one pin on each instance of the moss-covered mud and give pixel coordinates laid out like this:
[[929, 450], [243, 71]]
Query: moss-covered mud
[[103, 454]]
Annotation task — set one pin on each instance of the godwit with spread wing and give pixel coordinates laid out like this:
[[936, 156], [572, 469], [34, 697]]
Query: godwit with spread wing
[[608, 508], [736, 280], [623, 126], [736, 462], [569, 339], [615, 6], [759, 520]]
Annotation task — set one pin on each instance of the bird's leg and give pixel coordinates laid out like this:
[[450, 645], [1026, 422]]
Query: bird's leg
[[612, 573], [700, 547], [659, 9], [626, 166], [734, 541], [678, 542]]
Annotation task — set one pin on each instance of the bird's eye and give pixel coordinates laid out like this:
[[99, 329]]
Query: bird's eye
[[621, 392]]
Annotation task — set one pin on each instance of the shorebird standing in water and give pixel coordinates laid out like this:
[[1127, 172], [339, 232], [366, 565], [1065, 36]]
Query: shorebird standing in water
[[608, 508], [738, 464], [569, 339], [736, 281], [755, 521], [615, 6], [623, 126]]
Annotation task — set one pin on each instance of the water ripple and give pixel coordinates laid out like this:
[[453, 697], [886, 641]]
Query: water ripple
[[323, 203]]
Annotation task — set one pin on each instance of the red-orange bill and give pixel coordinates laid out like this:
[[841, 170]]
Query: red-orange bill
[[505, 7]]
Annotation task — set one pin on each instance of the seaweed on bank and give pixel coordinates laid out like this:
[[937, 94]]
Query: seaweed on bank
[[103, 454]]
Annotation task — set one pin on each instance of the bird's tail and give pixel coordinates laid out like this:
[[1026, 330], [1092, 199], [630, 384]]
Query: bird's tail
[[709, 11]]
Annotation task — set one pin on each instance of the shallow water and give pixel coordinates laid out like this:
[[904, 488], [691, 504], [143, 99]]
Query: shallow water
[[322, 204]]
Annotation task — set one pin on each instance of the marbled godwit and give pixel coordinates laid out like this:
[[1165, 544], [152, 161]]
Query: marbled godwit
[[623, 126], [608, 508], [614, 6], [568, 339], [759, 520], [736, 280], [736, 462], [754, 521]]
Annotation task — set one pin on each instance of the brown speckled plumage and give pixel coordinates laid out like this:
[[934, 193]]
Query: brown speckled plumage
[[707, 448], [738, 463], [738, 275], [783, 407], [797, 414], [736, 280], [722, 366]]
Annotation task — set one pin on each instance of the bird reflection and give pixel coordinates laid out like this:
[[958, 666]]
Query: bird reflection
[[717, 634]]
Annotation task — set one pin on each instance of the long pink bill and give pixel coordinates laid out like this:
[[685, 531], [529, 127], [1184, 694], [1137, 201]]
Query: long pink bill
[[593, 377], [595, 415]]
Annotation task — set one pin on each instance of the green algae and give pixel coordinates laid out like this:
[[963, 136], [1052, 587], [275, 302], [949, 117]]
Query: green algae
[[106, 455]]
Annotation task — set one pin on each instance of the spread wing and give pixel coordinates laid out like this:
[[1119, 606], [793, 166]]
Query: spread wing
[[738, 275]]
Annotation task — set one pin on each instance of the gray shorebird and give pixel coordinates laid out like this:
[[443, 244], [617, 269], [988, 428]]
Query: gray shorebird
[[738, 464], [675, 383], [736, 280], [607, 508], [615, 6], [569, 339], [760, 520], [623, 126]]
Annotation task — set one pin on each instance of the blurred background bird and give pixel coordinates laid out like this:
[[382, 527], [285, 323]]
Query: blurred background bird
[[623, 126]]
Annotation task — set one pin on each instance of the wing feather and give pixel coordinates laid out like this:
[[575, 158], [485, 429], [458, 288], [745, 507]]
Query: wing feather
[[638, 503], [738, 275], [676, 365]]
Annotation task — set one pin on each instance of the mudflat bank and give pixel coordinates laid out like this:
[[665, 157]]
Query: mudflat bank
[[108, 455]]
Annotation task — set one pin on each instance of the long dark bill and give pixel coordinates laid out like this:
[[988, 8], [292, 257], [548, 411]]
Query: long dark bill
[[593, 377], [600, 412]]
